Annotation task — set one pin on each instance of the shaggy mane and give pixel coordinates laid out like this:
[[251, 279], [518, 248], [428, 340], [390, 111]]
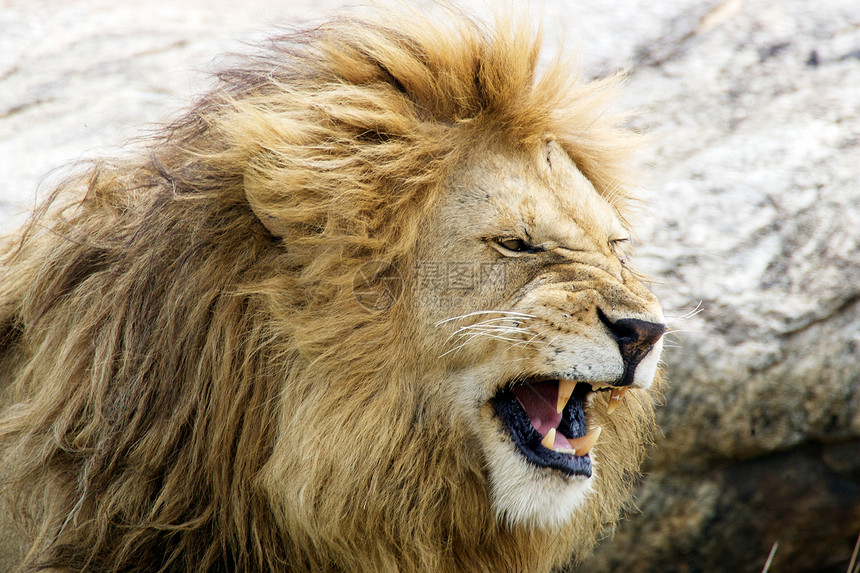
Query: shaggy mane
[[164, 315]]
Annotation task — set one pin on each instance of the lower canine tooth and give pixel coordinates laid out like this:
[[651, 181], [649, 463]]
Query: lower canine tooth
[[549, 439], [549, 443], [584, 444], [615, 399]]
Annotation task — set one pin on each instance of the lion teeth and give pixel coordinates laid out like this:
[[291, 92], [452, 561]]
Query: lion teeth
[[576, 446], [565, 389], [615, 399], [549, 440], [566, 450], [583, 445], [549, 443]]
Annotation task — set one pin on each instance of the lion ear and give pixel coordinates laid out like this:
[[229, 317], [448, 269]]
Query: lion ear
[[261, 202], [274, 225]]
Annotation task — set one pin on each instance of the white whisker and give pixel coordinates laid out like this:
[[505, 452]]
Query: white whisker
[[507, 328], [486, 326], [678, 330], [477, 312], [480, 328], [699, 308]]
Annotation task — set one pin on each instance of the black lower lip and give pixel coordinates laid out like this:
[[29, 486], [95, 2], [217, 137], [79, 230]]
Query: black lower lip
[[527, 439]]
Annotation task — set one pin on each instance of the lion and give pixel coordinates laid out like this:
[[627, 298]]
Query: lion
[[367, 306]]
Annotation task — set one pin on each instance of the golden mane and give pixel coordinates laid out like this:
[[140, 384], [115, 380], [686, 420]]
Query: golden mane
[[164, 317]]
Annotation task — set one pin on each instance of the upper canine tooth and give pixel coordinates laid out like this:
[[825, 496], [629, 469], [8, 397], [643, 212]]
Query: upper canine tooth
[[615, 399], [549, 440], [584, 444], [565, 389]]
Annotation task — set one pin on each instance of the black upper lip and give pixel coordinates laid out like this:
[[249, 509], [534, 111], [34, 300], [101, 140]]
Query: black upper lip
[[528, 440]]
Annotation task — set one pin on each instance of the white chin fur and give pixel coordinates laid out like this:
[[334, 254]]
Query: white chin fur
[[528, 496]]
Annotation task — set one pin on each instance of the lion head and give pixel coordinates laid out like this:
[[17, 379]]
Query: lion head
[[367, 306]]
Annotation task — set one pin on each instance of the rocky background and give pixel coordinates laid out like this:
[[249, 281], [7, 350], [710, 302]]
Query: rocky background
[[752, 229]]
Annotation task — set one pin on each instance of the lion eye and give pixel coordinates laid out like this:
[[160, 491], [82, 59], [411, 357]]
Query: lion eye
[[516, 245], [619, 246]]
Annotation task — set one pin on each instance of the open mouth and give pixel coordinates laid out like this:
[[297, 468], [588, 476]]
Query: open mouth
[[546, 419]]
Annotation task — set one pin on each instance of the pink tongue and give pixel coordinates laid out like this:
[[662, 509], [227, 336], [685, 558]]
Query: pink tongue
[[539, 400]]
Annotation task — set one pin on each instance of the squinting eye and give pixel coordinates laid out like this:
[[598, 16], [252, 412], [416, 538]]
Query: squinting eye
[[517, 245], [618, 247]]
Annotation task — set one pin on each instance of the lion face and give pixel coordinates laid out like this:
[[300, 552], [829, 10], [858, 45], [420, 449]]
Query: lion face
[[554, 330]]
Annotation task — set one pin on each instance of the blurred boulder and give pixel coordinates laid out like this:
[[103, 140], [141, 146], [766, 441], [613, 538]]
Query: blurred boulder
[[754, 220]]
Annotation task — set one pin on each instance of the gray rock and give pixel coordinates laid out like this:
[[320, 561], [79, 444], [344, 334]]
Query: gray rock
[[754, 220]]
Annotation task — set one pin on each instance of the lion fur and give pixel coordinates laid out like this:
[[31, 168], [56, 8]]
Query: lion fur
[[189, 382]]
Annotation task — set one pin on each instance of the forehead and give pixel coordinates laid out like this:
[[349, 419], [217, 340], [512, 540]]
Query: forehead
[[540, 192]]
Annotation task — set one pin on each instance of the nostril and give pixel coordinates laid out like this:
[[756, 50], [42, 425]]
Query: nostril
[[632, 333], [641, 332], [635, 338]]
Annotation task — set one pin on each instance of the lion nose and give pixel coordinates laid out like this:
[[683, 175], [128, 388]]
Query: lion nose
[[634, 337]]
